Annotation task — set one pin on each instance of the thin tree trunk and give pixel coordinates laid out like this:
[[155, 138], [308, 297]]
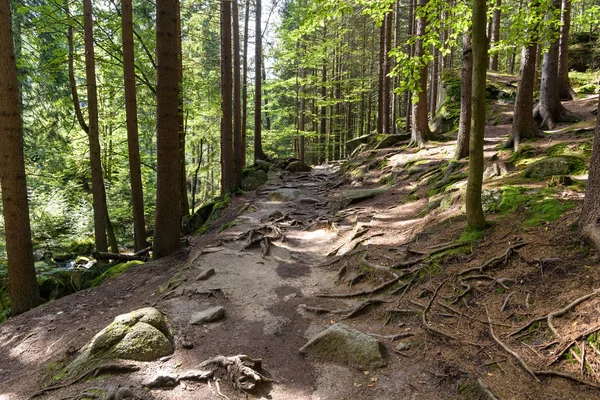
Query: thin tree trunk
[[185, 203], [380, 93], [227, 155], [168, 157], [301, 117], [23, 291], [475, 217], [98, 191], [495, 35], [135, 172], [387, 83], [565, 92], [258, 150], [323, 131], [239, 153], [434, 82], [198, 165], [420, 128], [464, 124], [245, 83]]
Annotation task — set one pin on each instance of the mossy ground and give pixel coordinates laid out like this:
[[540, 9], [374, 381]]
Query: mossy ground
[[114, 271]]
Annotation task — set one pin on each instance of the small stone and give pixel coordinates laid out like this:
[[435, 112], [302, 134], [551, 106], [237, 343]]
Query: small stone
[[402, 346], [210, 315], [162, 380], [204, 275], [284, 195], [308, 200]]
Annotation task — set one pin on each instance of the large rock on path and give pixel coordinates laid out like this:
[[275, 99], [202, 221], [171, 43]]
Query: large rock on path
[[211, 315], [341, 344], [550, 166]]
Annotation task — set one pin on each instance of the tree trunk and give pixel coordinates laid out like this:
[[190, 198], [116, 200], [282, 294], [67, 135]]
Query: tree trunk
[[434, 82], [301, 106], [589, 220], [245, 83], [420, 127], [549, 110], [23, 291], [387, 83], [227, 156], [135, 172], [464, 125], [475, 217], [168, 213], [185, 203], [495, 35], [565, 92], [524, 126], [239, 151], [323, 128], [258, 150], [98, 191]]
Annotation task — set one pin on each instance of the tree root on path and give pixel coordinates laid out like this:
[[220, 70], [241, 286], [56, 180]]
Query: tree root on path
[[101, 369], [365, 292], [431, 251], [426, 324], [550, 316], [492, 262], [242, 370], [349, 313]]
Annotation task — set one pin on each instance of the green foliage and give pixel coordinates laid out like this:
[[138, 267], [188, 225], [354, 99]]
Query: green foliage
[[471, 235]]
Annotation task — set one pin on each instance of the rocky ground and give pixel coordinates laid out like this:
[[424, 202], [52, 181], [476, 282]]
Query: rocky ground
[[374, 260]]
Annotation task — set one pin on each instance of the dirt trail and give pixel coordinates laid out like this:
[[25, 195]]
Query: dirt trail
[[263, 295]]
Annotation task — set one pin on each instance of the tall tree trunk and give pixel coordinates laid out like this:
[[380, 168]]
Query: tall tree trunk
[[98, 191], [495, 35], [550, 110], [168, 157], [589, 220], [420, 127], [239, 151], [475, 217], [301, 116], [395, 98], [387, 82], [323, 128], [410, 52], [227, 155], [381, 74], [434, 82], [23, 291], [135, 172], [185, 203], [565, 92], [245, 83], [464, 124], [524, 126], [258, 150]]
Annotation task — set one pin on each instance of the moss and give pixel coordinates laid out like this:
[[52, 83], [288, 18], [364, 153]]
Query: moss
[[446, 183], [541, 207], [583, 150], [470, 235], [114, 271], [524, 151], [220, 204], [227, 226]]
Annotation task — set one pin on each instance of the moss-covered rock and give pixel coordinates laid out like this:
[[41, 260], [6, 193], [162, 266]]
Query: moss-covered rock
[[253, 179], [297, 166], [113, 272], [550, 166], [141, 335]]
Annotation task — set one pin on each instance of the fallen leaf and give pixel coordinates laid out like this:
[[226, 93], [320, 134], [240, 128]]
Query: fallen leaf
[[357, 384], [366, 372]]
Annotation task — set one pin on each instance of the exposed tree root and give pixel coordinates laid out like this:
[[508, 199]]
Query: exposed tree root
[[368, 264], [502, 258], [348, 313], [365, 292], [550, 316], [393, 338], [486, 389], [243, 371], [101, 369], [426, 324], [568, 377], [431, 251], [509, 351]]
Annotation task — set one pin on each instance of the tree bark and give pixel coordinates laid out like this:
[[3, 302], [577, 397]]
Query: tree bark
[[549, 110], [387, 82], [239, 151], [565, 92], [168, 212], [464, 125], [589, 220], [381, 87], [258, 150], [23, 291], [524, 126], [98, 190], [495, 35], [420, 126], [323, 127], [245, 82], [185, 203], [301, 116], [135, 172], [227, 155], [475, 217]]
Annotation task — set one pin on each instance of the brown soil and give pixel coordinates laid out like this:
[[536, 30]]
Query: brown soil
[[263, 296]]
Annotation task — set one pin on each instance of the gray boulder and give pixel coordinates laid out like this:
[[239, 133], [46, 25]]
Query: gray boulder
[[353, 195], [298, 166], [211, 315], [254, 179], [343, 345], [284, 195]]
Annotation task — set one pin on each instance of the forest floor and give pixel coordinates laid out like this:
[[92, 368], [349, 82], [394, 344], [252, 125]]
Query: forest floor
[[530, 267]]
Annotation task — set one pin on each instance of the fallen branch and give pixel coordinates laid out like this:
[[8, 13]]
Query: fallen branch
[[486, 389], [508, 350], [393, 338], [495, 260], [505, 304]]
